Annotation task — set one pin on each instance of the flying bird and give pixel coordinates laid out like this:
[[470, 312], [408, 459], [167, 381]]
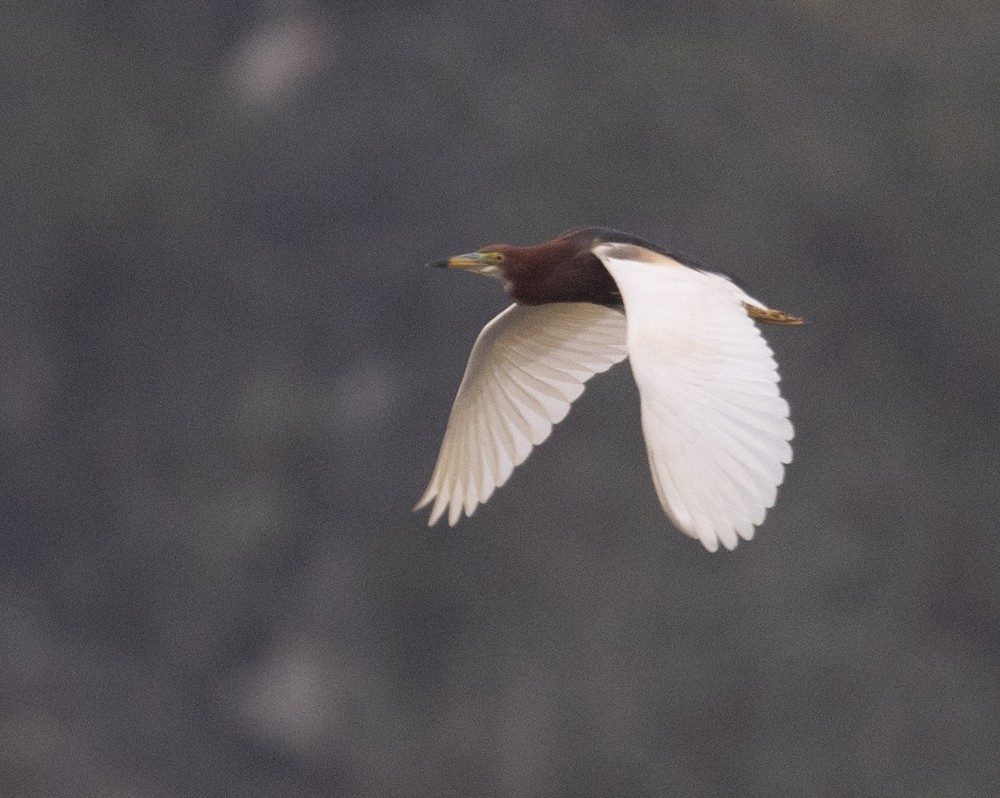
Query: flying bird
[[716, 426]]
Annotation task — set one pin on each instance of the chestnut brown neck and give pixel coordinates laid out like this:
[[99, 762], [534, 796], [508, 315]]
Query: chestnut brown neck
[[561, 270]]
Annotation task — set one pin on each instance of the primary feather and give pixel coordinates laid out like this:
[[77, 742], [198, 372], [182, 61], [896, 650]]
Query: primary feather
[[527, 367], [715, 424]]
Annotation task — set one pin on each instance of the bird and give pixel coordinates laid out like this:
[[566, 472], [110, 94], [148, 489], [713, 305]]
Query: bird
[[716, 428]]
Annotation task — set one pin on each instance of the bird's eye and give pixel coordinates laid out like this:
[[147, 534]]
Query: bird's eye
[[492, 258]]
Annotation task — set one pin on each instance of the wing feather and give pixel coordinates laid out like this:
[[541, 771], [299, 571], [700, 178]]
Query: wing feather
[[527, 367], [716, 427]]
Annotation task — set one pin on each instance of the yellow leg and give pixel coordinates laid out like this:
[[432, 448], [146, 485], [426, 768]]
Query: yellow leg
[[771, 316]]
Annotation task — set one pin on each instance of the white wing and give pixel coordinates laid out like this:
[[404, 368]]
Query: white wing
[[716, 427], [527, 366]]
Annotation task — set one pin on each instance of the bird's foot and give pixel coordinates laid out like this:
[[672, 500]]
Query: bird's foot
[[771, 316]]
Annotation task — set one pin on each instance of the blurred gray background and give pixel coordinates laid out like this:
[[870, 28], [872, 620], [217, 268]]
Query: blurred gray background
[[226, 372]]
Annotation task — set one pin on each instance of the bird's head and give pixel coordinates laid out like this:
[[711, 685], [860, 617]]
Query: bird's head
[[561, 270], [562, 255]]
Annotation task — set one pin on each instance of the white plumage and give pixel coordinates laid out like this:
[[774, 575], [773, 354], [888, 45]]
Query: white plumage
[[716, 427], [526, 368]]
